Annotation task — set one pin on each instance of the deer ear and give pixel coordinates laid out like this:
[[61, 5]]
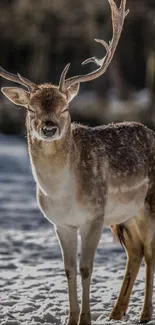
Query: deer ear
[[18, 96], [72, 92]]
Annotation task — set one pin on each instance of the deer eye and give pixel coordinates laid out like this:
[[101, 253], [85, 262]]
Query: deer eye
[[65, 110]]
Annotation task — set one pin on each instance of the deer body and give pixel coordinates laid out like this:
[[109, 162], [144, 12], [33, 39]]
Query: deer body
[[90, 177], [91, 182]]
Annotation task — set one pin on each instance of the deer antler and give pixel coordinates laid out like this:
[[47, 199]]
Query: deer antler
[[118, 16], [18, 79]]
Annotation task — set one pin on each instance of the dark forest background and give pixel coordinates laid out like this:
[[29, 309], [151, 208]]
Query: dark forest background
[[39, 37]]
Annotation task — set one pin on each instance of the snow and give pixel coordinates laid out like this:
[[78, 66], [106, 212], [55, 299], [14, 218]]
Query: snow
[[33, 288]]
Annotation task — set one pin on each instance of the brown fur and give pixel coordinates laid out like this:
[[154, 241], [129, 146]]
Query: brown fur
[[119, 231]]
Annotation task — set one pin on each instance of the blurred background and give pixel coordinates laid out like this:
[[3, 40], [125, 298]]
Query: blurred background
[[38, 38]]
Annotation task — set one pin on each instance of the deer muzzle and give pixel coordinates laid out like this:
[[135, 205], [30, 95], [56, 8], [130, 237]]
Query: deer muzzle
[[49, 130]]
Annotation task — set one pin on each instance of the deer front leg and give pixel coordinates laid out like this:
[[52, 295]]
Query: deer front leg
[[68, 242], [90, 236]]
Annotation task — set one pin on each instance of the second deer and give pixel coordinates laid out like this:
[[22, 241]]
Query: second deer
[[88, 178]]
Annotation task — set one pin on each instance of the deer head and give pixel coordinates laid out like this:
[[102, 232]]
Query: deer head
[[47, 105]]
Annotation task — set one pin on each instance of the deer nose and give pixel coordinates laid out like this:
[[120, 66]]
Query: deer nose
[[49, 129]]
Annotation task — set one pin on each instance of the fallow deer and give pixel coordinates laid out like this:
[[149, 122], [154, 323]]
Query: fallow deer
[[90, 177]]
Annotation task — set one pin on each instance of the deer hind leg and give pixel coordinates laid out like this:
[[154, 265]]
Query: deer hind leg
[[90, 236], [68, 242], [149, 253], [146, 227], [129, 238]]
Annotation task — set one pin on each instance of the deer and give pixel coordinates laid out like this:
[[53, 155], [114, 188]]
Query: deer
[[88, 178]]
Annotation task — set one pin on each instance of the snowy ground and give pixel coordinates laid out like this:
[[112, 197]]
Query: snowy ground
[[33, 287]]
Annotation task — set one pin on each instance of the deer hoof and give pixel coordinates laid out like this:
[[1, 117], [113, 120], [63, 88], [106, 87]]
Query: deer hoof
[[73, 318], [85, 319], [117, 314], [146, 315]]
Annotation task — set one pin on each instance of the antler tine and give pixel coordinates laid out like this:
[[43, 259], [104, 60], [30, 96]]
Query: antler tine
[[118, 16], [18, 79], [62, 78], [94, 59], [28, 83]]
